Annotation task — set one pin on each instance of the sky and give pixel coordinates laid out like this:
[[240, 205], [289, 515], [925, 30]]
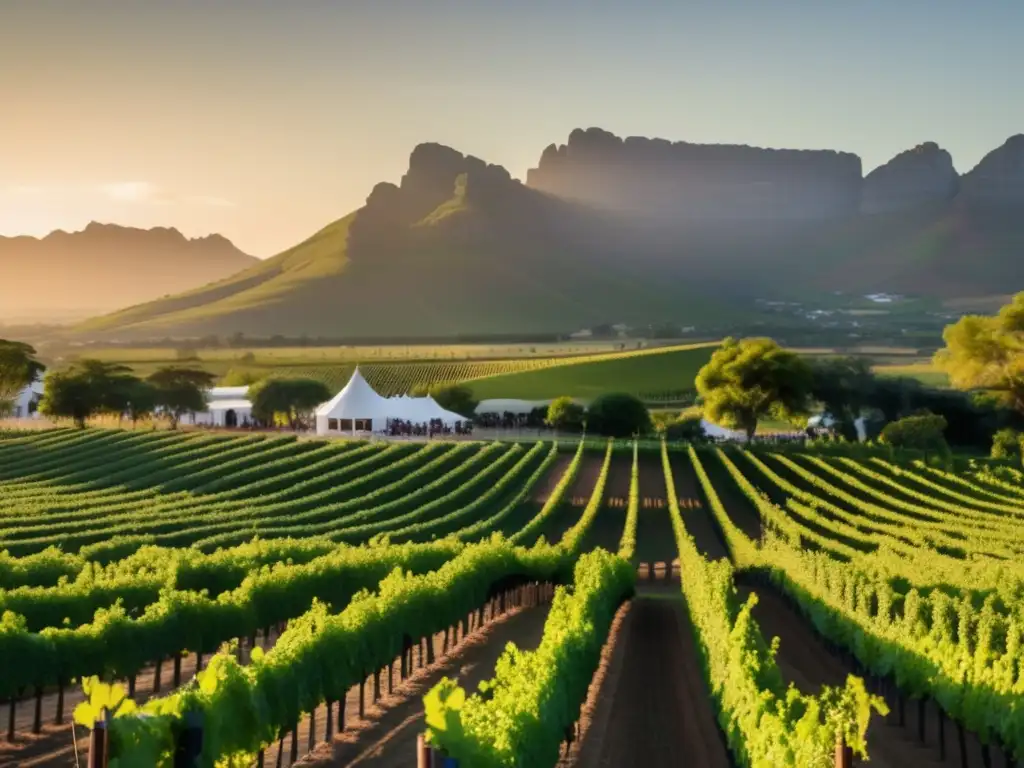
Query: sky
[[265, 120]]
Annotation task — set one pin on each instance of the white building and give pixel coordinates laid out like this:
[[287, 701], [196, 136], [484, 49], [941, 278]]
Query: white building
[[358, 409], [225, 407], [25, 404]]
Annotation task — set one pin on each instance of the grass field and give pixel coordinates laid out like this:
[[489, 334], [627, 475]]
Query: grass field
[[164, 523], [645, 372]]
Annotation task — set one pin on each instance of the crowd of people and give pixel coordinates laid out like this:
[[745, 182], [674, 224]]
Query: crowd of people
[[404, 428]]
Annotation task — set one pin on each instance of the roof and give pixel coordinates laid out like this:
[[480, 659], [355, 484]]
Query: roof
[[229, 405], [227, 393], [357, 400]]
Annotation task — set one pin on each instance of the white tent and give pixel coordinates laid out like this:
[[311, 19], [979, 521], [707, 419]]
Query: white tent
[[357, 408], [721, 433], [24, 405]]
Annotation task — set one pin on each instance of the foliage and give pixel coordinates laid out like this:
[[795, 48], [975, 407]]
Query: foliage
[[844, 386], [1006, 444], [618, 415], [988, 353], [924, 432], [87, 388], [18, 369], [520, 717], [141, 399], [749, 379], [687, 427], [565, 414], [296, 399], [181, 390]]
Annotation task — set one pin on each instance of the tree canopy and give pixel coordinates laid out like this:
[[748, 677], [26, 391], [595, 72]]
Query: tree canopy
[[565, 414], [180, 390], [988, 353], [18, 368], [618, 415], [844, 386], [923, 432], [749, 379], [295, 399], [87, 388]]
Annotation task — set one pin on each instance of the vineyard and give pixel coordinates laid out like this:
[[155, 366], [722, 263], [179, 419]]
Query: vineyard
[[263, 600]]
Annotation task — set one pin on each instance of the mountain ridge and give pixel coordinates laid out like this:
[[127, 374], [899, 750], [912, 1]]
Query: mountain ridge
[[601, 232], [103, 267]]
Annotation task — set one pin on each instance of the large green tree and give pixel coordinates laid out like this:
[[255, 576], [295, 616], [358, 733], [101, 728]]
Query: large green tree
[[295, 399], [87, 388], [618, 415], [178, 391], [988, 353], [18, 368], [844, 386], [749, 379]]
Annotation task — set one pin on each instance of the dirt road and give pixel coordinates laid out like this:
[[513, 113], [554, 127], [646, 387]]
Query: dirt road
[[654, 709]]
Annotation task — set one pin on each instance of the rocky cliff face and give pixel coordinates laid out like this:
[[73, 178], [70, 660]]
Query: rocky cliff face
[[913, 178], [658, 178], [999, 178]]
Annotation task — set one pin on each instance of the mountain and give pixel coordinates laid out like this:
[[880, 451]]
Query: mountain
[[618, 230], [72, 275]]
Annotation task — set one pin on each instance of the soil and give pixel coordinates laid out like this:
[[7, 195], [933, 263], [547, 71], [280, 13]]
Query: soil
[[386, 737], [547, 483], [697, 515], [654, 709], [807, 662], [739, 508], [655, 539]]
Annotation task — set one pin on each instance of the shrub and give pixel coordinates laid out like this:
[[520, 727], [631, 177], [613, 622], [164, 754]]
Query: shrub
[[618, 415], [923, 432]]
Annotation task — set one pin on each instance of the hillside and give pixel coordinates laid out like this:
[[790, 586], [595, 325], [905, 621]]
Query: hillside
[[71, 275], [459, 246], [606, 230]]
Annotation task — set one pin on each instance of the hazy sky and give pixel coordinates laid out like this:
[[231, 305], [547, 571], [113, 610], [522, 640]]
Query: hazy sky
[[266, 120]]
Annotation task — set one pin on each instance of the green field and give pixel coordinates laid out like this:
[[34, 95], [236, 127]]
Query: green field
[[645, 372]]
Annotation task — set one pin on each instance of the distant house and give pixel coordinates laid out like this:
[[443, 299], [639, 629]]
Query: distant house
[[27, 402], [225, 407]]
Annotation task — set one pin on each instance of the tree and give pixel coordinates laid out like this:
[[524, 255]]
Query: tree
[[180, 390], [922, 432], [1006, 444], [988, 353], [296, 399], [141, 397], [844, 386], [18, 369], [618, 415], [87, 388], [565, 414], [749, 379], [687, 427]]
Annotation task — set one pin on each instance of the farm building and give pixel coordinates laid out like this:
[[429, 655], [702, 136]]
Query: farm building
[[226, 407], [26, 402], [359, 408]]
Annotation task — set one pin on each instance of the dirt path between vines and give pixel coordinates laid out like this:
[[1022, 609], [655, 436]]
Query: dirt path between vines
[[653, 708], [386, 736], [807, 662], [551, 478]]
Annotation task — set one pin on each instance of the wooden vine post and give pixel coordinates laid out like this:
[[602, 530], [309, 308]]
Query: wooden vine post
[[430, 757], [844, 754], [99, 742]]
